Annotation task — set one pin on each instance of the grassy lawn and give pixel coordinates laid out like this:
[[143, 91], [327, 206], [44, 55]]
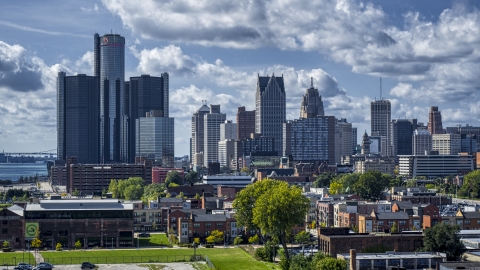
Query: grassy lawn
[[7, 258], [222, 258], [154, 240]]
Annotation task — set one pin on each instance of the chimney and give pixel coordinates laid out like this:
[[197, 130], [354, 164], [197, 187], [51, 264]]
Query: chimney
[[353, 259]]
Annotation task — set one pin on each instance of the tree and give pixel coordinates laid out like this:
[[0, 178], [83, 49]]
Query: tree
[[371, 184], [300, 262], [273, 206], [191, 177], [443, 238], [173, 177], [154, 225], [152, 192], [245, 170], [78, 244], [215, 236], [238, 240], [6, 244], [196, 241], [181, 195], [332, 264], [76, 192], [471, 184], [302, 238], [133, 192], [394, 228], [347, 181], [323, 180], [254, 239], [129, 189], [197, 196], [58, 247], [335, 188], [36, 242]]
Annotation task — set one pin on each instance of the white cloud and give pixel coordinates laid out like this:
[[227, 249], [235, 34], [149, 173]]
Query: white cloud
[[89, 10]]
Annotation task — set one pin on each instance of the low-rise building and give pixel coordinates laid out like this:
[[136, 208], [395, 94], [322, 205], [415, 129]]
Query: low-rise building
[[435, 165], [403, 260], [383, 222], [201, 226]]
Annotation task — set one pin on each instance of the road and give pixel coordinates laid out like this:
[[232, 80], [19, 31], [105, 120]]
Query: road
[[469, 202]]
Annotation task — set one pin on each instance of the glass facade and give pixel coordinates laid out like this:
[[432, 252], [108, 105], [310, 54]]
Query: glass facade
[[155, 140], [312, 138], [112, 107]]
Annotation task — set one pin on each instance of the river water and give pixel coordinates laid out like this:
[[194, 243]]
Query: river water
[[13, 171]]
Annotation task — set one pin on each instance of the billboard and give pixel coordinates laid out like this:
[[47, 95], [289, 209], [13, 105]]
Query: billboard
[[30, 229]]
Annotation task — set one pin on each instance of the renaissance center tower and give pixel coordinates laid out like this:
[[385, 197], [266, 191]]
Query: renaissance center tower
[[109, 66]]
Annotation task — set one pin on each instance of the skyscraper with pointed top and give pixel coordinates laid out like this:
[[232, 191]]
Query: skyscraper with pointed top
[[312, 104], [270, 108]]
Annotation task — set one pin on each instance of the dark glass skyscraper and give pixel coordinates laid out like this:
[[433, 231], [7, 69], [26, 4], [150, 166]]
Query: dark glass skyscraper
[[402, 134], [109, 65], [142, 95], [78, 117]]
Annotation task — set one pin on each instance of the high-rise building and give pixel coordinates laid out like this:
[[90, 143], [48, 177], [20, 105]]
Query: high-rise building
[[228, 131], [226, 152], [354, 140], [270, 108], [365, 144], [287, 138], [142, 95], [78, 118], [109, 65], [343, 139], [435, 121], [421, 142], [381, 112], [402, 134], [154, 139], [211, 132], [198, 138], [245, 123], [469, 143], [446, 144], [312, 104], [313, 139]]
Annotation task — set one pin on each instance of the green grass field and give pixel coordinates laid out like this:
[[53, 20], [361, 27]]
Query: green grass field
[[12, 258], [222, 258], [154, 240]]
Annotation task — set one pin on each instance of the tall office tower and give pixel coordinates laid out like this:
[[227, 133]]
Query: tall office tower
[[245, 123], [381, 113], [226, 152], [354, 140], [109, 65], [446, 144], [312, 104], [435, 121], [287, 138], [469, 143], [421, 142], [312, 139], [365, 144], [402, 131], [154, 138], [343, 139], [270, 108], [198, 137], [211, 133], [78, 118], [228, 131], [142, 95]]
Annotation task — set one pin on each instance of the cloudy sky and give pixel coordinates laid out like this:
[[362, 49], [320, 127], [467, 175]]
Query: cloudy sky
[[427, 53]]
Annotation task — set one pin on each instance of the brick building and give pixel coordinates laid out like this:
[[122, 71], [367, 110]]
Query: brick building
[[159, 174], [383, 222], [12, 226], [201, 225]]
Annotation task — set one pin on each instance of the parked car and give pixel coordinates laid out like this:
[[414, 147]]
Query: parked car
[[144, 234], [87, 265], [24, 266], [43, 267], [45, 264]]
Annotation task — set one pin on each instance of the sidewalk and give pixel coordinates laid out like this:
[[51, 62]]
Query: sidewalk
[[38, 257]]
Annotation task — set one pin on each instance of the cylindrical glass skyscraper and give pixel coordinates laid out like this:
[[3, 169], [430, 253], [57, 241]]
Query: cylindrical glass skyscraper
[[111, 60]]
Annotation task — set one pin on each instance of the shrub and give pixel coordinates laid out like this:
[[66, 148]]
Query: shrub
[[238, 240], [261, 254], [59, 247]]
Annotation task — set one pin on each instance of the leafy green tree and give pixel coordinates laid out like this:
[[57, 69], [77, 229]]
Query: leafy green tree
[[129, 189], [371, 184], [276, 209], [301, 262], [443, 238], [191, 177], [133, 192], [471, 184], [245, 170], [197, 196], [181, 195], [394, 228], [271, 247], [237, 240], [336, 188], [302, 238], [395, 182], [78, 244], [332, 264], [76, 192], [152, 192], [323, 180], [196, 241], [347, 181], [254, 239], [173, 177], [215, 236]]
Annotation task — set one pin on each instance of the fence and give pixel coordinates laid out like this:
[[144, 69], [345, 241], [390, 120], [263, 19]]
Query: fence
[[14, 260], [126, 259]]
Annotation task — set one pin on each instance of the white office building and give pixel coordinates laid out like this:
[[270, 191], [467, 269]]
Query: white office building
[[435, 165], [211, 133], [446, 144]]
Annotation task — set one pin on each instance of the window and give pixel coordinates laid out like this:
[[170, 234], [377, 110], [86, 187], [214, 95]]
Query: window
[[196, 225], [219, 225], [402, 222], [208, 225], [4, 222], [150, 214], [467, 222], [380, 223], [459, 222], [4, 231], [63, 233], [184, 225]]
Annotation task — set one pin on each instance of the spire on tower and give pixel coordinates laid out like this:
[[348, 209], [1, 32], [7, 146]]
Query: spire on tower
[[311, 82]]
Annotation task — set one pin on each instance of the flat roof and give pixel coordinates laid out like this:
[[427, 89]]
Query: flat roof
[[394, 255], [78, 205]]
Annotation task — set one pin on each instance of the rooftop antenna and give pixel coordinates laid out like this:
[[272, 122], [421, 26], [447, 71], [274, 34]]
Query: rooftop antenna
[[380, 88], [311, 82]]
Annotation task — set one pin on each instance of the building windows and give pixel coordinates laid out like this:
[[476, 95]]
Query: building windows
[[184, 225], [208, 225], [196, 225], [467, 222], [219, 225], [402, 222]]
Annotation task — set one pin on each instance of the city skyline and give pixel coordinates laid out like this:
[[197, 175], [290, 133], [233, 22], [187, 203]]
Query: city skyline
[[426, 53]]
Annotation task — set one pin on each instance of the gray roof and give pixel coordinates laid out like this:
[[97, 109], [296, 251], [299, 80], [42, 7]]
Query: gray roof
[[52, 205], [16, 209], [468, 215], [163, 200], [404, 204], [391, 215], [213, 218]]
